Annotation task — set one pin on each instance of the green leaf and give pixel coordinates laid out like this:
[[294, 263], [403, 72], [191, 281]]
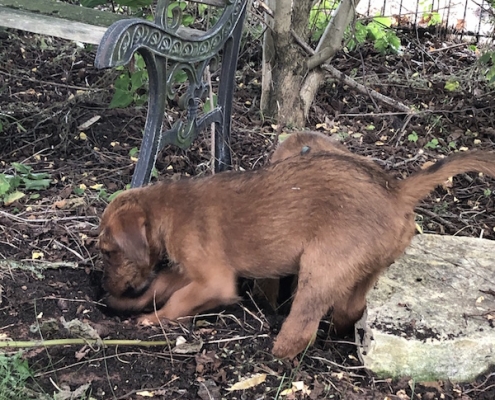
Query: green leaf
[[123, 82], [38, 175], [452, 86], [187, 20], [21, 168], [486, 57], [121, 99], [361, 32], [133, 152], [385, 21], [180, 76], [394, 41], [137, 80], [14, 181], [207, 105], [78, 191], [4, 185], [36, 184], [413, 137], [432, 144], [114, 195], [14, 196]]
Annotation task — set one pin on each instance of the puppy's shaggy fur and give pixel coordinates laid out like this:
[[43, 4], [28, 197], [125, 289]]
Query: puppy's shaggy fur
[[301, 143], [329, 218]]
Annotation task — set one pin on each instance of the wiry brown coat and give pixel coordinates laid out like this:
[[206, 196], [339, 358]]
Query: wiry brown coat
[[329, 218], [301, 143]]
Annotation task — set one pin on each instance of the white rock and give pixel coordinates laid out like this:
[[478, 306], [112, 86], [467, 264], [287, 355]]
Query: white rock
[[428, 316]]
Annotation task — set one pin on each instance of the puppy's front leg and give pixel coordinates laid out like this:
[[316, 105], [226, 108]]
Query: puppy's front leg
[[197, 296], [161, 288], [323, 278]]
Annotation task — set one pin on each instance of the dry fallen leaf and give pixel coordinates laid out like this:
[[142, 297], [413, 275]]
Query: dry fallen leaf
[[145, 393], [182, 347], [247, 383], [296, 387], [88, 123], [37, 255]]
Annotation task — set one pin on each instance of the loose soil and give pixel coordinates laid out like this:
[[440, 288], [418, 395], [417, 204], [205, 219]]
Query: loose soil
[[49, 88]]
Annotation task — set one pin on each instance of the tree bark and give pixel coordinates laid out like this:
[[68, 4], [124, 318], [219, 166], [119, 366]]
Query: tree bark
[[290, 79], [284, 62]]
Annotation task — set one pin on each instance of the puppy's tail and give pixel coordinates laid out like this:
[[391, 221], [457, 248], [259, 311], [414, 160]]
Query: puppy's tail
[[421, 183]]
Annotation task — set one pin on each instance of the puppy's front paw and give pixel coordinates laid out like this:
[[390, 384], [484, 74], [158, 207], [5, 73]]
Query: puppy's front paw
[[282, 350], [289, 348], [148, 320]]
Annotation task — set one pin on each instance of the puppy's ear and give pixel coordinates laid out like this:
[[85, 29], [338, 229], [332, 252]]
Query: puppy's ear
[[131, 237]]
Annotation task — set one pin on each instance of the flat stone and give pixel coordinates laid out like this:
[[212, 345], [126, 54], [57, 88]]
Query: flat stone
[[431, 315]]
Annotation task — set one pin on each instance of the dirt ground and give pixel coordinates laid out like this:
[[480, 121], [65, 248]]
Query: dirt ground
[[49, 88]]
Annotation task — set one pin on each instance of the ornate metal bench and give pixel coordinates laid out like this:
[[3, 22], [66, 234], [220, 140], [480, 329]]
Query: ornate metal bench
[[167, 47]]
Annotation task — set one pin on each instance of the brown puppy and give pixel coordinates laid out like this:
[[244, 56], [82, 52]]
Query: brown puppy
[[297, 143], [329, 218]]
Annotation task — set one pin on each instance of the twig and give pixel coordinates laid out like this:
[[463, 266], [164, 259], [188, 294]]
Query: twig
[[69, 249], [367, 91], [437, 217], [264, 7], [8, 264], [408, 160], [448, 47], [79, 342], [44, 220], [235, 338], [212, 129], [324, 360]]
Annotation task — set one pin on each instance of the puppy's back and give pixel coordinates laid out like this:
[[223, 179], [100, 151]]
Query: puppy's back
[[300, 143]]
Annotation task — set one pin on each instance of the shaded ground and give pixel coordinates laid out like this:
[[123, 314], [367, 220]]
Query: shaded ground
[[49, 88]]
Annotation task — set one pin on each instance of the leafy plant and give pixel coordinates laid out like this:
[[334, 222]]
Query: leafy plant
[[452, 85], [488, 61], [12, 186], [131, 85], [320, 16], [431, 17], [378, 31], [432, 144], [14, 373], [413, 137]]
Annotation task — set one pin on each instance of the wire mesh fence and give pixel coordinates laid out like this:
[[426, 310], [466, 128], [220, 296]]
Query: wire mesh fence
[[473, 18]]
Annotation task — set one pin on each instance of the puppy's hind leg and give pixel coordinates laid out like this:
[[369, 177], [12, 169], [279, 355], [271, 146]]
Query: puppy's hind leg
[[349, 309], [321, 280]]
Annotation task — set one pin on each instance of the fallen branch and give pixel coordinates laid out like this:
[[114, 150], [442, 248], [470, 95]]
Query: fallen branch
[[366, 90], [352, 83], [81, 342]]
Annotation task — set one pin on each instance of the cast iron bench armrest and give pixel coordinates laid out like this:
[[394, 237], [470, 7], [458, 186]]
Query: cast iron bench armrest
[[166, 48]]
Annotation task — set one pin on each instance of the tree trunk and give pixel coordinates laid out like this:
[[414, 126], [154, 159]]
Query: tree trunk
[[284, 62], [291, 77]]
